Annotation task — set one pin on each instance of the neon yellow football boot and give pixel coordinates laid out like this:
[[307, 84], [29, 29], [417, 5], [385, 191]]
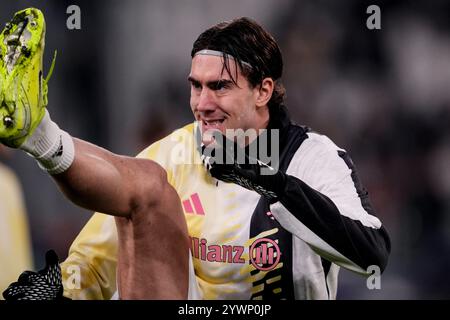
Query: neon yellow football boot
[[23, 95]]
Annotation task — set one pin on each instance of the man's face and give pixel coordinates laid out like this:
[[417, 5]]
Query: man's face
[[219, 104]]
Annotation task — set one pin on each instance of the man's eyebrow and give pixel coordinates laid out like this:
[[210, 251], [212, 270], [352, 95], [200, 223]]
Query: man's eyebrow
[[211, 84], [193, 80], [220, 81]]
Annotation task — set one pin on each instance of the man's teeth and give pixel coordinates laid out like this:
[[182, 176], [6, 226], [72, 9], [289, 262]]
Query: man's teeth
[[213, 123]]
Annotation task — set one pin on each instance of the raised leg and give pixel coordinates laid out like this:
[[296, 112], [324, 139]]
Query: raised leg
[[154, 248]]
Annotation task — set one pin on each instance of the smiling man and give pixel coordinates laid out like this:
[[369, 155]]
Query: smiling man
[[220, 102], [196, 230]]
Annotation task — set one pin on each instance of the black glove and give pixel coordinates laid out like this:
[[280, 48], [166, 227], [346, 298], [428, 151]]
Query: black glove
[[45, 284], [228, 162]]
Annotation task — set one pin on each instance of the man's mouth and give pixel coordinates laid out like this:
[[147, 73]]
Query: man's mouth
[[210, 127], [212, 124]]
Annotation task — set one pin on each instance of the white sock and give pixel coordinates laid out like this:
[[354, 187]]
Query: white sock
[[52, 147]]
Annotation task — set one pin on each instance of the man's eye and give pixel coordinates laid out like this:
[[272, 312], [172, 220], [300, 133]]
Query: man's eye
[[221, 86], [196, 85]]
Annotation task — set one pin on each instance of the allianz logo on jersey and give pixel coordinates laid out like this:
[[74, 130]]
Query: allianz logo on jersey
[[265, 253]]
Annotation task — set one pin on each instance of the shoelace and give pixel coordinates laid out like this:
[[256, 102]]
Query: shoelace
[[47, 79], [52, 67]]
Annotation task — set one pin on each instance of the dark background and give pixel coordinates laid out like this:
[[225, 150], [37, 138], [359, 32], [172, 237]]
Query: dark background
[[383, 95]]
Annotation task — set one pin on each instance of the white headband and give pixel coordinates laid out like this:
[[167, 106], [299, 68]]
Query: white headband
[[208, 52]]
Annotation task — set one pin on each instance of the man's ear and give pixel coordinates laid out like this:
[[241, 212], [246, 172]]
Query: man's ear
[[265, 91]]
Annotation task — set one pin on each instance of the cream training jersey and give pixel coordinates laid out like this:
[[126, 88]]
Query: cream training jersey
[[242, 246]]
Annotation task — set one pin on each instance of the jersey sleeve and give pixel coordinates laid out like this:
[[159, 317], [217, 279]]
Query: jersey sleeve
[[325, 205], [89, 272]]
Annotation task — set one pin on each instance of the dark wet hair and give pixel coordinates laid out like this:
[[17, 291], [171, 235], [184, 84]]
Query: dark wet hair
[[246, 41]]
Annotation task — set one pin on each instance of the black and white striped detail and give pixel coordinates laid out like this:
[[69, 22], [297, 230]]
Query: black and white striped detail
[[326, 206]]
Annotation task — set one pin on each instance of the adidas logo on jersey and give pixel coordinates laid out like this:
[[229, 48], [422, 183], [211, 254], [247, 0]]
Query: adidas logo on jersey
[[193, 205]]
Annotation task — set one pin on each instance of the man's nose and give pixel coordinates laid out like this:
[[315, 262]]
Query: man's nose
[[206, 101]]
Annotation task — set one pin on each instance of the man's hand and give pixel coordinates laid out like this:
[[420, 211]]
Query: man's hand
[[45, 284], [228, 162]]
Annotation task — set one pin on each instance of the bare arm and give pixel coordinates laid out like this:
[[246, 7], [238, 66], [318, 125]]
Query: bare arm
[[102, 181]]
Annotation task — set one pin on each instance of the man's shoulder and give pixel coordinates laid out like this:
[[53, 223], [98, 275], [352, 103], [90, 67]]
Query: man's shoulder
[[182, 138], [322, 140], [316, 142]]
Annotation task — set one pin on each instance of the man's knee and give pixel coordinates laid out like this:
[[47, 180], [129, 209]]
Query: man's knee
[[154, 235], [155, 195], [149, 184]]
